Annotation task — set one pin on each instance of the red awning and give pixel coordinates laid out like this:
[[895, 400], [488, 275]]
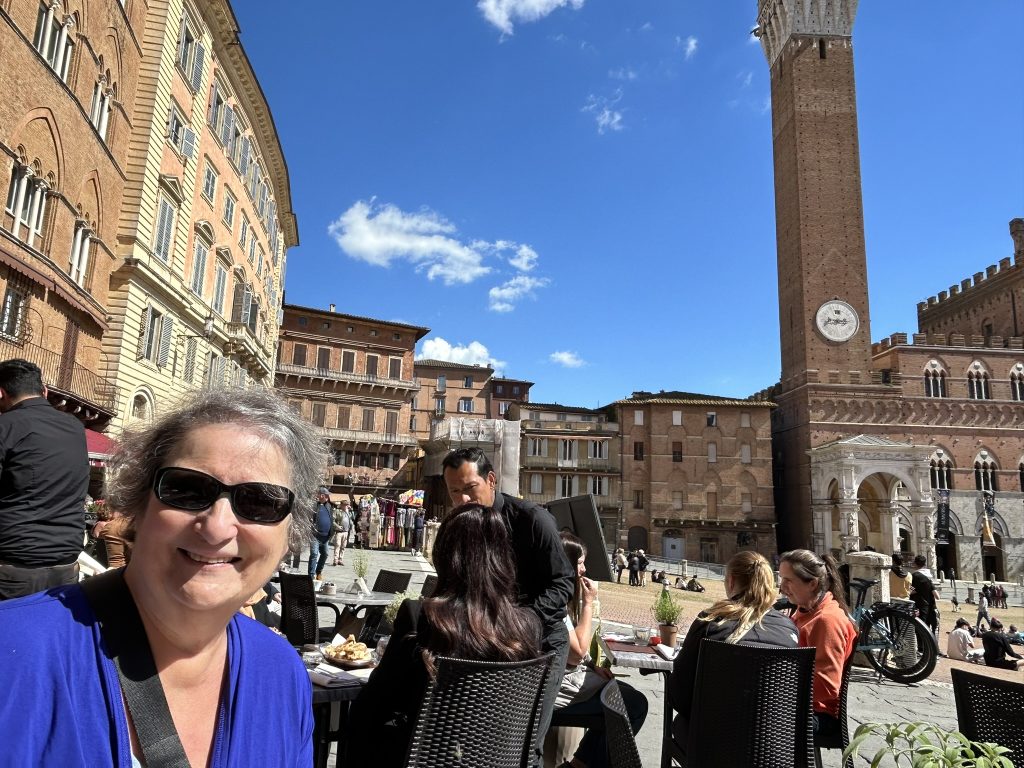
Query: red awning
[[98, 445]]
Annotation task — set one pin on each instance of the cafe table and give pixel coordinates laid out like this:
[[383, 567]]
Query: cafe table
[[355, 599], [644, 658], [330, 715]]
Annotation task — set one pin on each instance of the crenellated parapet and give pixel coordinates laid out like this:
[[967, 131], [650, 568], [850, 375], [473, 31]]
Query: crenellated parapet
[[780, 20], [953, 340]]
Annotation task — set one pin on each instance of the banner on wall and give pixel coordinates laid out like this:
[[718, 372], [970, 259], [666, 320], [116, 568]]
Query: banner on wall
[[942, 517]]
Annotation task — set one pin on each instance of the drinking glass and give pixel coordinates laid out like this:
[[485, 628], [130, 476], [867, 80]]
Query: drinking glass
[[378, 652]]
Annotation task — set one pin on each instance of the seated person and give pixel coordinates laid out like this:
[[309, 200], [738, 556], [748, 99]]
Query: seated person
[[476, 588], [657, 576], [997, 648], [1015, 637], [814, 585], [745, 616], [578, 694], [960, 645], [694, 585]]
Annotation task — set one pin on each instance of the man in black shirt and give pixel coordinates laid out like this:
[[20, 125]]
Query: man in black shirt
[[997, 648], [44, 476], [545, 578]]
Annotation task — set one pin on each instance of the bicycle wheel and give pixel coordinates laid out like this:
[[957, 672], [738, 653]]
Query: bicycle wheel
[[910, 651]]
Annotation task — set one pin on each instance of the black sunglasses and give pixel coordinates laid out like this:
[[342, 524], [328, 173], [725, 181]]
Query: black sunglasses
[[194, 491]]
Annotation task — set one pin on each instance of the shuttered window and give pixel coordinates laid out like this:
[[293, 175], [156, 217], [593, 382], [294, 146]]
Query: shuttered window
[[199, 269], [164, 231], [219, 289], [190, 360]]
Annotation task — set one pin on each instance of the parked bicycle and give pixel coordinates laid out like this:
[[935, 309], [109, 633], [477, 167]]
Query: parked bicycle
[[890, 635]]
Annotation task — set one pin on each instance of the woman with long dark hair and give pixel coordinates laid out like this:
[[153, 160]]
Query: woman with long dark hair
[[745, 617], [814, 585], [473, 614], [582, 682]]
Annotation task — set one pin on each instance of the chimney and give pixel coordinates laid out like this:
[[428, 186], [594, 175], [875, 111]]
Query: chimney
[[1017, 233], [331, 308]]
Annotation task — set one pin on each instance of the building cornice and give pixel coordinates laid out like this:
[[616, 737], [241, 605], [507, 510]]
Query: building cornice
[[778, 21]]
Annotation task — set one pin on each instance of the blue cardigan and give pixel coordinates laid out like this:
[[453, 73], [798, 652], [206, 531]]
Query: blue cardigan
[[61, 698]]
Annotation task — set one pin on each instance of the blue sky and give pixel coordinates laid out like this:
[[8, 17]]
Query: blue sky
[[582, 190]]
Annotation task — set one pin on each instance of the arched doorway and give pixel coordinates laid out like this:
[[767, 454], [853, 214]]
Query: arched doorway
[[945, 557], [905, 539], [637, 538], [992, 559]]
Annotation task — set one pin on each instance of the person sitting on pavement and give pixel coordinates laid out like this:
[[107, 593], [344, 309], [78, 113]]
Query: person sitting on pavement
[[960, 645], [745, 617], [1015, 637], [997, 648], [472, 614], [813, 584], [694, 585], [212, 488], [582, 683]]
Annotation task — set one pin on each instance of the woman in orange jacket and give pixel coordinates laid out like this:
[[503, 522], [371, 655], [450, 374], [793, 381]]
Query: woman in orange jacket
[[813, 584]]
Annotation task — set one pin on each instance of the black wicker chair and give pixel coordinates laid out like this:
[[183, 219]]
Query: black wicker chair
[[429, 585], [299, 620], [990, 709], [391, 581], [480, 714], [751, 707], [622, 751], [839, 740]]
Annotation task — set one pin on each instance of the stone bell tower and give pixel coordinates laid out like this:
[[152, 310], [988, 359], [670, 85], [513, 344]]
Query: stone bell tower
[[822, 272]]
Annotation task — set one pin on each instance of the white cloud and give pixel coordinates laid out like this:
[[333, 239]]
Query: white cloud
[[605, 115], [473, 353], [503, 298], [689, 46], [381, 234], [646, 27], [502, 13], [622, 73], [567, 359], [525, 258], [745, 78]]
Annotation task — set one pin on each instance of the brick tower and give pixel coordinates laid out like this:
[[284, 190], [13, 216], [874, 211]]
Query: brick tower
[[823, 296]]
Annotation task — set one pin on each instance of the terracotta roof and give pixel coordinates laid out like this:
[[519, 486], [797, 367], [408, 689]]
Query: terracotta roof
[[689, 398], [557, 407], [449, 364], [512, 381], [315, 310]]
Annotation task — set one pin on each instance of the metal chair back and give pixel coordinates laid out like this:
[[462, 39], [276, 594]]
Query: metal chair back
[[839, 740], [391, 581], [480, 713], [429, 585], [299, 621], [622, 751], [752, 707], [990, 709]]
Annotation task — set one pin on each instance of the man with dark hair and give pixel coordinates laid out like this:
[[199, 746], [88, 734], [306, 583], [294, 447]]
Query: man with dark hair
[[923, 593], [545, 578], [997, 648], [323, 521], [44, 476]]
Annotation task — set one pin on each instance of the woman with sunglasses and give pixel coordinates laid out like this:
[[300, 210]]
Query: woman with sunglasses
[[212, 489], [473, 613]]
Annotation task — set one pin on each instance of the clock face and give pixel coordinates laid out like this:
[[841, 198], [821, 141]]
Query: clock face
[[837, 320]]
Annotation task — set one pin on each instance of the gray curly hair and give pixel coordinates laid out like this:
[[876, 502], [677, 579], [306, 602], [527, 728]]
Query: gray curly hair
[[142, 450]]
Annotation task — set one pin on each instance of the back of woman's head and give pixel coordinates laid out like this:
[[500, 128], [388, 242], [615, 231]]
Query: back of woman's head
[[753, 582], [473, 612], [808, 566], [752, 594]]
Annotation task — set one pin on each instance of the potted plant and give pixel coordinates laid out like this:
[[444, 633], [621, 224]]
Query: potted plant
[[923, 745], [666, 612], [361, 566]]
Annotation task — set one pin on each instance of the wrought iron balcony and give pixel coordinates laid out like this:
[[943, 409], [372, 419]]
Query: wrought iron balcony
[[66, 377]]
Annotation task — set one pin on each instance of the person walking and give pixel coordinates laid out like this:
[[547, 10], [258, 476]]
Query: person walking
[[983, 614], [621, 564], [322, 521], [342, 526]]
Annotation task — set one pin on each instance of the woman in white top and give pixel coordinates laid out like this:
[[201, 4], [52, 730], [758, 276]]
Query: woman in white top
[[961, 645], [582, 682]]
